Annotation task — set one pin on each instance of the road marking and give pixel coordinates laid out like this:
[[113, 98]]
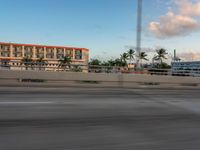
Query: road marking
[[5, 103]]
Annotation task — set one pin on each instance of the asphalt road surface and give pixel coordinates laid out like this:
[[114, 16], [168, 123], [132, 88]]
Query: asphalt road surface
[[99, 119]]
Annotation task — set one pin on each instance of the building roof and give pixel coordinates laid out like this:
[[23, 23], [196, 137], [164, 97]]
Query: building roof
[[47, 46]]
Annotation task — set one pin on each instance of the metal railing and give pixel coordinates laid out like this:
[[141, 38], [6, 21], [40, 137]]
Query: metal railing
[[37, 66], [175, 72]]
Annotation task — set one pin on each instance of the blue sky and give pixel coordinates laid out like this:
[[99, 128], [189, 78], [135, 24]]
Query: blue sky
[[106, 27]]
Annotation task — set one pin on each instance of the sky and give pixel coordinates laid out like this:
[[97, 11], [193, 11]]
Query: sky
[[106, 27]]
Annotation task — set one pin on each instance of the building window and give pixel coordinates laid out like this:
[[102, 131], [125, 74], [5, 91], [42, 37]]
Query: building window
[[39, 52], [17, 51], [5, 50], [60, 53], [50, 53], [69, 53], [78, 54], [28, 51]]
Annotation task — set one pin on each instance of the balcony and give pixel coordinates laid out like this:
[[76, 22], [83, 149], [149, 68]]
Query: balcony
[[5, 54], [60, 51], [60, 56], [50, 56], [17, 54], [28, 49], [50, 50], [5, 49]]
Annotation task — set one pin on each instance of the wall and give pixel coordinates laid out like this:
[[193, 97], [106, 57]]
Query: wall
[[10, 77]]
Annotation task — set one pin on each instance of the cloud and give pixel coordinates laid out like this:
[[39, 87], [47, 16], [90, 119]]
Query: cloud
[[189, 56], [188, 8], [182, 23]]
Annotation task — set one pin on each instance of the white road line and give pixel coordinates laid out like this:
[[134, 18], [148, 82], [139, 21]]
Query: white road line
[[10, 103]]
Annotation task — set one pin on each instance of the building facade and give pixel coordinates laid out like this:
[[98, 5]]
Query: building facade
[[190, 68], [11, 54]]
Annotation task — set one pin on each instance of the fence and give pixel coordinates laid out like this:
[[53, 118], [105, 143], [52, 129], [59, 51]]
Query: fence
[[55, 67], [42, 66]]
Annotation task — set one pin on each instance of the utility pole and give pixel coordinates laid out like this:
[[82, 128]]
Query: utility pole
[[139, 31], [175, 58]]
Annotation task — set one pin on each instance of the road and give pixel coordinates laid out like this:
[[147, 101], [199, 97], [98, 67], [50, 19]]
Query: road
[[99, 119]]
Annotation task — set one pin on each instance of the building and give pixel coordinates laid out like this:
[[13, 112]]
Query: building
[[11, 54], [190, 68]]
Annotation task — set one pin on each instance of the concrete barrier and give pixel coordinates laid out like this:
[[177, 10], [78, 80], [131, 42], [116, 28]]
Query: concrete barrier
[[11, 77]]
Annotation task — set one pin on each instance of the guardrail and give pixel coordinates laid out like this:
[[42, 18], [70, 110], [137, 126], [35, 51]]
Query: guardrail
[[55, 67]]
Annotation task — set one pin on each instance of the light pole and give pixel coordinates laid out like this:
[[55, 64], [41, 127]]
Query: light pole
[[139, 31]]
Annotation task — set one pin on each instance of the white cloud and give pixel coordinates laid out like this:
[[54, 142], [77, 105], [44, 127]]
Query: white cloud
[[183, 23], [189, 56], [188, 8]]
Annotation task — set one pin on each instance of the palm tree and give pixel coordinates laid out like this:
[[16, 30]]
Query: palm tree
[[95, 65], [41, 61], [131, 54], [66, 61], [124, 58], [95, 62], [142, 56], [161, 54], [27, 61], [111, 62]]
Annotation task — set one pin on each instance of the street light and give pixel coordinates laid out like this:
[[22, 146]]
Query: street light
[[139, 31]]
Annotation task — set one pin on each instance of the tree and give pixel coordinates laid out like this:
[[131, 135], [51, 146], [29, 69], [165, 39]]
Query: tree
[[111, 62], [123, 59], [95, 65], [142, 56], [161, 54], [118, 62], [95, 62], [66, 61], [41, 61], [105, 63], [131, 54], [27, 61]]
